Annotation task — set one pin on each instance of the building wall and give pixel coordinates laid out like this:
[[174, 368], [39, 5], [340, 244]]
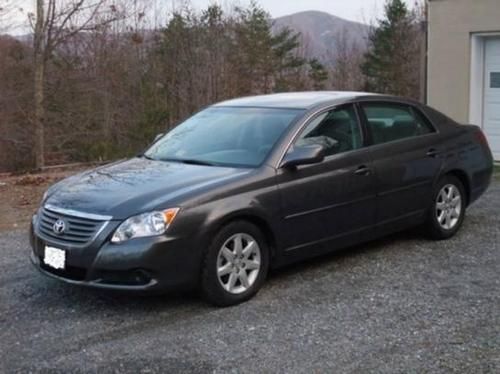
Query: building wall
[[451, 24]]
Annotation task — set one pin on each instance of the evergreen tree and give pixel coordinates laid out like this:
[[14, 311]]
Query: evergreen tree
[[288, 64], [215, 46], [391, 64], [253, 49], [317, 74], [268, 61]]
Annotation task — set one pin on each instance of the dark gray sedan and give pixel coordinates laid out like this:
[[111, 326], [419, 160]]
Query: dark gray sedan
[[259, 182]]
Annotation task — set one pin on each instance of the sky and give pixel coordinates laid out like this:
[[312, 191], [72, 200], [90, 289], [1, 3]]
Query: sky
[[355, 10]]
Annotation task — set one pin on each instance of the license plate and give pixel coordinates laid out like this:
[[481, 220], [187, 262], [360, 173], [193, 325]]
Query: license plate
[[54, 257]]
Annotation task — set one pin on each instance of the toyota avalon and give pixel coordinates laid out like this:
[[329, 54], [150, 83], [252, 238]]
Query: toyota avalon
[[255, 183]]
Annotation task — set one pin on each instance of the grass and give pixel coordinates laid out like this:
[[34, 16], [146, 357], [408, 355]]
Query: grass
[[496, 171]]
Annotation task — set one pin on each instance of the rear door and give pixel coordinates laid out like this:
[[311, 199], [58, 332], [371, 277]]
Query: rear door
[[331, 202], [406, 158]]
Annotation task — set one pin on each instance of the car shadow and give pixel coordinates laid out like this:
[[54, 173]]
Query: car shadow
[[326, 259], [94, 301]]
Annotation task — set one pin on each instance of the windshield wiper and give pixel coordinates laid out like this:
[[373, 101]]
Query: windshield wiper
[[182, 160], [193, 161], [147, 157]]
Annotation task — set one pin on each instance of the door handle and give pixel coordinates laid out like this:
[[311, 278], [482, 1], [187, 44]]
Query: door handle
[[433, 152], [363, 170]]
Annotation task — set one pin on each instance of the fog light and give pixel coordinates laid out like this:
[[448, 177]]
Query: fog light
[[141, 277]]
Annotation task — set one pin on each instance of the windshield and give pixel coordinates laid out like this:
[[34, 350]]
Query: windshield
[[227, 136]]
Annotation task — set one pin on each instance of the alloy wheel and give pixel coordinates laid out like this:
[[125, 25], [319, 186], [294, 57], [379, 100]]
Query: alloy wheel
[[238, 263], [448, 206]]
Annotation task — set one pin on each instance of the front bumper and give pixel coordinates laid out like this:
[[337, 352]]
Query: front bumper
[[160, 263]]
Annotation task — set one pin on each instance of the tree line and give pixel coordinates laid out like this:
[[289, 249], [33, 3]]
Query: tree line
[[97, 80]]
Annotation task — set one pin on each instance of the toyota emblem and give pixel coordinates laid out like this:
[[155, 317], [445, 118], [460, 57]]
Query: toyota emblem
[[59, 227]]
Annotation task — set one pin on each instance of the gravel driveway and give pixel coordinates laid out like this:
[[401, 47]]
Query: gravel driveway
[[401, 304]]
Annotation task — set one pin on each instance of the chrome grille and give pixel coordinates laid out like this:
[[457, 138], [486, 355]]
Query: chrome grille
[[78, 230]]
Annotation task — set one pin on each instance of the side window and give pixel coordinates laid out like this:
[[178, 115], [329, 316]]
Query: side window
[[388, 122], [337, 130]]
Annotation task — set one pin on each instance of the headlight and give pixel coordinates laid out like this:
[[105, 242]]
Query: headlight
[[146, 224]]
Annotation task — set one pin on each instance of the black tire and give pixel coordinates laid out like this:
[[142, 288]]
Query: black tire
[[435, 229], [212, 288]]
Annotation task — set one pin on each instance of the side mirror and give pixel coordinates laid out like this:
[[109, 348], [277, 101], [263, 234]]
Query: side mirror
[[158, 137], [304, 155]]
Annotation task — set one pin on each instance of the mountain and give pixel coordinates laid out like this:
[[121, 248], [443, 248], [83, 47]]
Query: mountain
[[322, 32]]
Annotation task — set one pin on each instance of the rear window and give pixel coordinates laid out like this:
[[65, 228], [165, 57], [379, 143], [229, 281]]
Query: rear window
[[390, 122]]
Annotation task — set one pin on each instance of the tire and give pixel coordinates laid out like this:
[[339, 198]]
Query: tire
[[447, 212], [233, 273]]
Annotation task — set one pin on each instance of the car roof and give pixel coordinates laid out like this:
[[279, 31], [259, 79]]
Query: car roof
[[298, 100]]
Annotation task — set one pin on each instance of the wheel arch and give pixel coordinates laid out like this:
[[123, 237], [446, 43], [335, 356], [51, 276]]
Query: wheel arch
[[464, 179], [253, 218]]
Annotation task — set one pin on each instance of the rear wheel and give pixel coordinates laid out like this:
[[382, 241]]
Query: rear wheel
[[448, 208], [235, 265]]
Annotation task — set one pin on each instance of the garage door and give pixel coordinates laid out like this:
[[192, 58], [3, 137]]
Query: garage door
[[491, 115]]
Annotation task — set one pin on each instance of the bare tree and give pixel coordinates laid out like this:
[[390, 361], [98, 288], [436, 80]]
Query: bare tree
[[346, 72], [55, 22], [108, 78], [15, 104]]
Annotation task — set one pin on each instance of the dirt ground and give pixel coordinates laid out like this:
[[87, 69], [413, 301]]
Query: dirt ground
[[20, 195]]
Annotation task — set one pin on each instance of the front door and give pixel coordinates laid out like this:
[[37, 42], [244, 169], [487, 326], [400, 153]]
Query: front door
[[332, 202], [491, 115]]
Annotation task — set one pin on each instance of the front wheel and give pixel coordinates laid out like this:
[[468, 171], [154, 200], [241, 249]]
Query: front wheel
[[448, 208], [235, 264]]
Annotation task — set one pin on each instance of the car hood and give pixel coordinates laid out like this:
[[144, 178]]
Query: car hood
[[137, 185]]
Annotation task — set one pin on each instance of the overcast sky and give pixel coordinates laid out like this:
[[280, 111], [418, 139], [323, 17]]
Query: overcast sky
[[355, 10]]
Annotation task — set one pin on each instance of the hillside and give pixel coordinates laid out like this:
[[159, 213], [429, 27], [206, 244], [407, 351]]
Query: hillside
[[321, 32]]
